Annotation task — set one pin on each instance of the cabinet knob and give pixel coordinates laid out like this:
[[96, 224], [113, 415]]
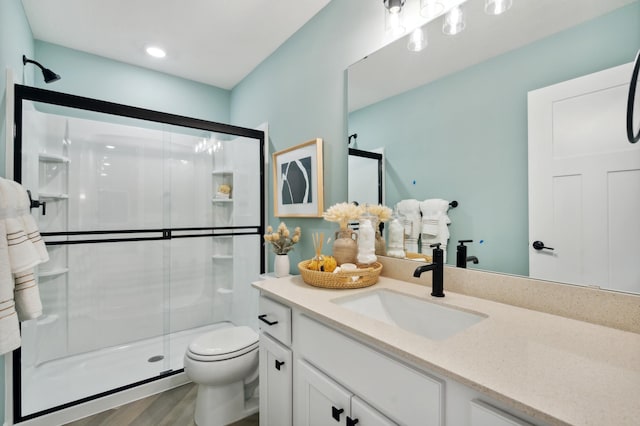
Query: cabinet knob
[[279, 364], [352, 422], [335, 413], [264, 319]]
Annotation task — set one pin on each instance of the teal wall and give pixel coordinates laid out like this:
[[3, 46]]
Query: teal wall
[[15, 40], [300, 90], [101, 78], [464, 137]]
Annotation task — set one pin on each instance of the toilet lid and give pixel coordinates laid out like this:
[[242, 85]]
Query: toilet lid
[[224, 341]]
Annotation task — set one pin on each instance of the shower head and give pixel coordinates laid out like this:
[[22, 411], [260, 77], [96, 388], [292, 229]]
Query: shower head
[[49, 76]]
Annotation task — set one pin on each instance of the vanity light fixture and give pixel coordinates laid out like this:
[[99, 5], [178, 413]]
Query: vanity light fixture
[[417, 40], [393, 6], [497, 7], [156, 52], [431, 8], [49, 76], [454, 21]]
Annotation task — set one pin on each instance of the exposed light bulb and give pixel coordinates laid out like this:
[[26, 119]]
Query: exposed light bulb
[[454, 21], [496, 7], [393, 24], [156, 52], [417, 40]]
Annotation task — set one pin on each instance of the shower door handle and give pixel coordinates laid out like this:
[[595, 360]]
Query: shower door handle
[[264, 319]]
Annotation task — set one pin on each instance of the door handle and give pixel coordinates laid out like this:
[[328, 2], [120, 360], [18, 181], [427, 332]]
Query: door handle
[[539, 245], [279, 364], [335, 413], [264, 319]]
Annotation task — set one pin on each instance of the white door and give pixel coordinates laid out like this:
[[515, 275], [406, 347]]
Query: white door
[[584, 183]]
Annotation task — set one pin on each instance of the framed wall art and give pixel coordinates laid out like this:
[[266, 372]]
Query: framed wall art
[[297, 179]]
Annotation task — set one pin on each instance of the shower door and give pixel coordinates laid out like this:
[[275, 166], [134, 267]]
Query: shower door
[[153, 224]]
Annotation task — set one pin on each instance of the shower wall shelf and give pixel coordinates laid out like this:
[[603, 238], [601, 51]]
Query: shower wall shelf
[[51, 196], [222, 256], [53, 272], [52, 158], [222, 200], [221, 172]]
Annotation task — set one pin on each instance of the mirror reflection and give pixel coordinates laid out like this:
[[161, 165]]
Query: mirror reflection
[[454, 122]]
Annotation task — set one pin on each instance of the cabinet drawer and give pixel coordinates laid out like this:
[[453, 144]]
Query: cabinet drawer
[[275, 320], [402, 393], [483, 414]]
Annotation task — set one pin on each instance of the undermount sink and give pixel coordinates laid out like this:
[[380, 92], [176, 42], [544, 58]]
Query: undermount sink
[[431, 320]]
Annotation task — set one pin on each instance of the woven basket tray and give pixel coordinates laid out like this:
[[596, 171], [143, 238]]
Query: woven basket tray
[[365, 276]]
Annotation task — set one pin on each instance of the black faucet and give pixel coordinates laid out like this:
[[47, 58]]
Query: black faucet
[[461, 257], [437, 282]]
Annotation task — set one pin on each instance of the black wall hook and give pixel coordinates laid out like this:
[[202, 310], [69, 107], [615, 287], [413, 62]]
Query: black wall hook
[[34, 204]]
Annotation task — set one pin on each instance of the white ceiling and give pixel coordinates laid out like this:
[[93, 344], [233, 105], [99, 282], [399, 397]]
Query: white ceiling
[[394, 69], [217, 42]]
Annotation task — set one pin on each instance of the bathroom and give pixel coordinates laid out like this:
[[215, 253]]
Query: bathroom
[[277, 92]]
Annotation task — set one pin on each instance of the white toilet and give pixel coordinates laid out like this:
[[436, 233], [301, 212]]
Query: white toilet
[[224, 365]]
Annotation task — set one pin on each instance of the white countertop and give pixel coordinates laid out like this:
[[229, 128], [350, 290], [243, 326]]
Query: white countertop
[[559, 370]]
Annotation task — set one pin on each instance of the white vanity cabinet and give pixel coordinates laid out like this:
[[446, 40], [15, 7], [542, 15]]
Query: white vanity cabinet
[[323, 401], [329, 377]]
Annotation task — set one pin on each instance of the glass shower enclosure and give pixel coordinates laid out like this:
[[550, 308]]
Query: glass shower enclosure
[[153, 223]]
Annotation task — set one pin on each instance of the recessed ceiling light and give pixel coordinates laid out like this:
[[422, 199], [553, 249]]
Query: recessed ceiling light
[[156, 52]]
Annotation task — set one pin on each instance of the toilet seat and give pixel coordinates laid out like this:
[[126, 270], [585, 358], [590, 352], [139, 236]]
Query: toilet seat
[[222, 344]]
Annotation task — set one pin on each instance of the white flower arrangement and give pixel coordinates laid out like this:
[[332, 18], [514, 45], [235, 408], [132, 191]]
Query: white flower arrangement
[[342, 213], [383, 213]]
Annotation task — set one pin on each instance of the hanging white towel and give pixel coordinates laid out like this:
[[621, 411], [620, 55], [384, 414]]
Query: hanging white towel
[[22, 254], [27, 296], [19, 294], [9, 330], [29, 223], [410, 209]]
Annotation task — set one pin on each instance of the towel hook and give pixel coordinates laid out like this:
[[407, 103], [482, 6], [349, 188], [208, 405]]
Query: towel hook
[[34, 204]]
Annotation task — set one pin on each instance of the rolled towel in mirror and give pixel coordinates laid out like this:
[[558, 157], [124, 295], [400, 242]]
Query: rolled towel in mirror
[[410, 209]]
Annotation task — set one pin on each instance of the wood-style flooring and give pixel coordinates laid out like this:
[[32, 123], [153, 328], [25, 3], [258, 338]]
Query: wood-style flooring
[[174, 407]]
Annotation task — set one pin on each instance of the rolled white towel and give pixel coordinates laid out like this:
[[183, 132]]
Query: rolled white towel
[[9, 328], [435, 223], [29, 223], [27, 296]]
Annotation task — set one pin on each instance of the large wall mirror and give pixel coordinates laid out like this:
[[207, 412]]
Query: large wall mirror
[[453, 118]]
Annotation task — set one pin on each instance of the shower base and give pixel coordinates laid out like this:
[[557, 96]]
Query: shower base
[[73, 378]]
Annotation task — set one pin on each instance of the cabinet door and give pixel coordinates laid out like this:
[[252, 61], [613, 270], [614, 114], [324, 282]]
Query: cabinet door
[[363, 414], [323, 401], [483, 414], [275, 383]]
